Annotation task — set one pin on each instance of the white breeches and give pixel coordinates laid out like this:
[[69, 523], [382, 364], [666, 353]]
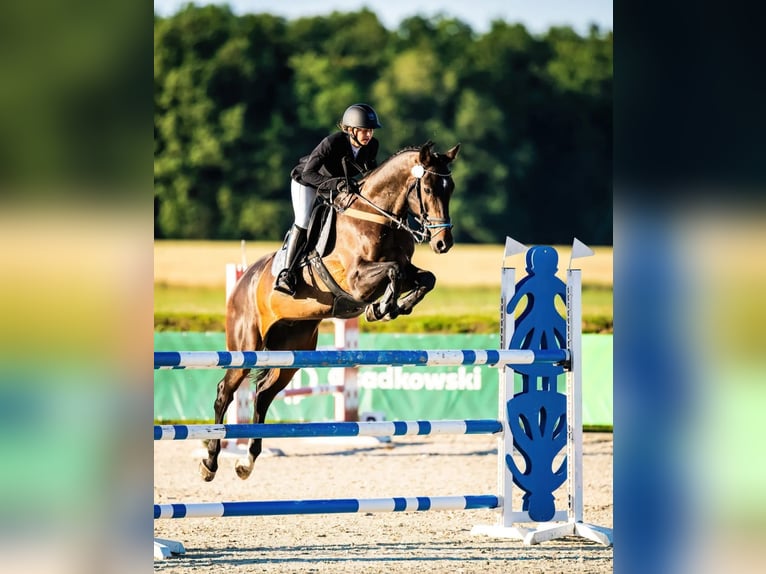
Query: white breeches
[[303, 202]]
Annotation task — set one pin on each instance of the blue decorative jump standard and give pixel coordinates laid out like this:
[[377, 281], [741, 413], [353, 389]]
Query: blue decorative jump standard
[[537, 414], [538, 436], [541, 422]]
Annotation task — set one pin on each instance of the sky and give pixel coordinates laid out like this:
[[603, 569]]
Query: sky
[[536, 15]]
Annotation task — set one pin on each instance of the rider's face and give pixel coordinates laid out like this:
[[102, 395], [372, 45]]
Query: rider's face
[[363, 135]]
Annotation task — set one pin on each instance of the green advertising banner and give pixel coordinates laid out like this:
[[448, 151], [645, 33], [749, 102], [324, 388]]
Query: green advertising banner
[[398, 393], [411, 393]]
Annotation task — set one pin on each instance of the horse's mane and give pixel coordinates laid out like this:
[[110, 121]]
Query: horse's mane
[[392, 156], [401, 151]]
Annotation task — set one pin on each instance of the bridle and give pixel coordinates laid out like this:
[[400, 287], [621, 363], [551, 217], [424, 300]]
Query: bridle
[[424, 221]]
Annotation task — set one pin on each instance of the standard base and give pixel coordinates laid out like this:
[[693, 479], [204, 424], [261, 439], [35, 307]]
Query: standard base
[[547, 531], [166, 548]]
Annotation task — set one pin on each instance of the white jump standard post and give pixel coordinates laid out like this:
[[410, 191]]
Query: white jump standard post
[[562, 522]]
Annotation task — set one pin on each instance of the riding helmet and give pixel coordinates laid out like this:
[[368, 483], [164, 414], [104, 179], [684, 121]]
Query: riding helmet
[[360, 116]]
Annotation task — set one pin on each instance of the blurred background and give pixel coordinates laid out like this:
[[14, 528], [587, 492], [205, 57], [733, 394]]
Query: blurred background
[[242, 92]]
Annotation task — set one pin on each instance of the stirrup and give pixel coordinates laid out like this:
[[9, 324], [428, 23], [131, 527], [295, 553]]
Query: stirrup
[[285, 283]]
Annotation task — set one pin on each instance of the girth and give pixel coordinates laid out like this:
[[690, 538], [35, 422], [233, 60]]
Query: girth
[[343, 305]]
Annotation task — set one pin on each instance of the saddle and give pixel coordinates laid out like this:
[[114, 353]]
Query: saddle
[[320, 236], [320, 240]]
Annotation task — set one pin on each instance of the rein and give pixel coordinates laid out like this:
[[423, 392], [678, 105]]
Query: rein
[[385, 218]]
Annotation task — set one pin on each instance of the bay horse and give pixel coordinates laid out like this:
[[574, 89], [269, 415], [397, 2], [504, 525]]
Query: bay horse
[[368, 269]]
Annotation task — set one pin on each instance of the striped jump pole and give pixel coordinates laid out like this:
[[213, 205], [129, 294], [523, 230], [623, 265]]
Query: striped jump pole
[[351, 358], [327, 429], [324, 506]]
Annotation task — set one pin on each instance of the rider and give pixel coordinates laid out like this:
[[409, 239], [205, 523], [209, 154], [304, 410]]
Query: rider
[[323, 169]]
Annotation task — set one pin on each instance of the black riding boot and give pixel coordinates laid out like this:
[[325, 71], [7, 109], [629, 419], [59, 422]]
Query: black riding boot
[[286, 279]]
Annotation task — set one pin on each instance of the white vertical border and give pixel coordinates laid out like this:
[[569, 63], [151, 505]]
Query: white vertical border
[[574, 394], [505, 394]]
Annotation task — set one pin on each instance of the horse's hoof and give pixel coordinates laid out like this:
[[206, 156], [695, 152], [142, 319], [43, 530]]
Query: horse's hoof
[[390, 316], [370, 314], [243, 471], [206, 473]]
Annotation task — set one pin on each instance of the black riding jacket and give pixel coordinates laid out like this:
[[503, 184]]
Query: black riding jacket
[[326, 161]]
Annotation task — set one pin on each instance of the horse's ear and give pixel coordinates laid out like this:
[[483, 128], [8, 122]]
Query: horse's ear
[[425, 152], [452, 154]]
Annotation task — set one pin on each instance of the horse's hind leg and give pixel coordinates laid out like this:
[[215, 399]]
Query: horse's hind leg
[[301, 335], [267, 391], [226, 389]]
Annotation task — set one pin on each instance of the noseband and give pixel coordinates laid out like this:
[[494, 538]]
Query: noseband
[[428, 223]]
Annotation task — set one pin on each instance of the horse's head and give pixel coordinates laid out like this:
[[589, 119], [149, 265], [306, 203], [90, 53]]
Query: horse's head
[[433, 187]]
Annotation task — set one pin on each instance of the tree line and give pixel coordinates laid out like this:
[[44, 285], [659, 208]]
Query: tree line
[[239, 98]]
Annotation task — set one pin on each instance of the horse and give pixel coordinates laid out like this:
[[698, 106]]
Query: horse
[[367, 269]]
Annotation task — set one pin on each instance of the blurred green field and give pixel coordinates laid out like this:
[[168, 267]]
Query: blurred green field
[[189, 287]]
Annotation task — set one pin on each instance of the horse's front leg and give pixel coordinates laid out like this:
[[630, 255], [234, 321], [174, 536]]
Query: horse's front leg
[[283, 336], [386, 307], [419, 283], [376, 280]]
